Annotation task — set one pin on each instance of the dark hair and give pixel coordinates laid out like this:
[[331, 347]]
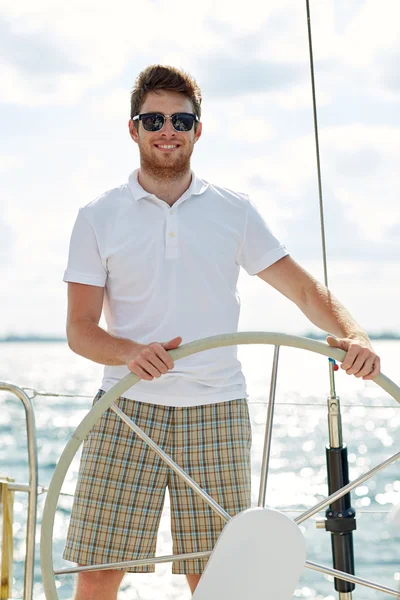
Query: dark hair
[[162, 77]]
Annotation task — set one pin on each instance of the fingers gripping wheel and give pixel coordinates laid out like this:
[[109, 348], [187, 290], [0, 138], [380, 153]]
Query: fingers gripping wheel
[[276, 339]]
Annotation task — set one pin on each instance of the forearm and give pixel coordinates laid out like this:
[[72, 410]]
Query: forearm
[[91, 341], [326, 312]]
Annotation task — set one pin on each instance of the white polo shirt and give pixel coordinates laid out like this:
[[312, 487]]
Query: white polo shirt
[[170, 271]]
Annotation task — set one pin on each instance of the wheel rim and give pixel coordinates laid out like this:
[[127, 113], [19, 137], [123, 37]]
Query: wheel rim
[[219, 341]]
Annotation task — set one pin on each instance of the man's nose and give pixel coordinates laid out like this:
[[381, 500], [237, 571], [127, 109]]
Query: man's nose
[[168, 128]]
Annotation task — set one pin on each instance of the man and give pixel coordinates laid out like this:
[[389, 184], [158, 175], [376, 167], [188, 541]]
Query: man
[[161, 254]]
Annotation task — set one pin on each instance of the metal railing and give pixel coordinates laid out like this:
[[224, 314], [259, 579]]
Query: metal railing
[[30, 488]]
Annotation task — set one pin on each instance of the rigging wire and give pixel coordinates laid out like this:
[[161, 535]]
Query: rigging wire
[[321, 203], [38, 393], [287, 509]]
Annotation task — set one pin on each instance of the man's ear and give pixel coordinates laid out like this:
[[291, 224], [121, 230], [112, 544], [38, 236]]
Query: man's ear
[[198, 132], [133, 131]]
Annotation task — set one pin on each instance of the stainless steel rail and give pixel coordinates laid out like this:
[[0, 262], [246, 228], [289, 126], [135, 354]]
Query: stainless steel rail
[[30, 488], [171, 558], [111, 396], [347, 488], [268, 430], [352, 578]]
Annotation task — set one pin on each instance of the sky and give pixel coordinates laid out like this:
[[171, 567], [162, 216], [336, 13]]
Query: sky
[[66, 71]]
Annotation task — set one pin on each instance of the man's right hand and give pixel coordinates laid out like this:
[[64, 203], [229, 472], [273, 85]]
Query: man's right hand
[[152, 360]]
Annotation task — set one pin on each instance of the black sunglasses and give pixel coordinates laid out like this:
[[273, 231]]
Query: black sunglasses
[[155, 121]]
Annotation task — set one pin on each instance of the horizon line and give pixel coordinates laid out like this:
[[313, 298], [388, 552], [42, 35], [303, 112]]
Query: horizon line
[[33, 337]]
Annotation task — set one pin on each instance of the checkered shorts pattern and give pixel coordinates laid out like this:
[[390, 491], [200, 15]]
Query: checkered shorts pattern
[[121, 484]]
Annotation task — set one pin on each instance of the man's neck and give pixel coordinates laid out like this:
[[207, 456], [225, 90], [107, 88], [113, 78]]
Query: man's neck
[[167, 190]]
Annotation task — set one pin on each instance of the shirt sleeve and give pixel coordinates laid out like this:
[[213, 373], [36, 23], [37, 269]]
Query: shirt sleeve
[[260, 248], [85, 264]]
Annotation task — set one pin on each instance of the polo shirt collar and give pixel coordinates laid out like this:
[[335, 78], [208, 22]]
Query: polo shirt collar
[[197, 187]]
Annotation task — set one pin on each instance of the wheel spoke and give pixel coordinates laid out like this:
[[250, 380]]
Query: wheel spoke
[[347, 488], [268, 430], [174, 466], [351, 578], [141, 562]]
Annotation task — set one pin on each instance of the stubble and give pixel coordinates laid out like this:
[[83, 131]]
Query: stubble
[[165, 167]]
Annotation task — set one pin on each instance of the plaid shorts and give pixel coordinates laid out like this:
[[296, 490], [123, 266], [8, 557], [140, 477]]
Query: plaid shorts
[[121, 484]]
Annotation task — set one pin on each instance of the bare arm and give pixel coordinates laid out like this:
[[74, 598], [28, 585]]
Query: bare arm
[[326, 312], [312, 297], [88, 339]]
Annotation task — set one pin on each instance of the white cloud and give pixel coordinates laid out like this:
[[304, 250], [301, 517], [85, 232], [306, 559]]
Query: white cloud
[[8, 162], [244, 19], [358, 168], [286, 167], [375, 27], [360, 190], [252, 63], [366, 290], [95, 44], [257, 130], [113, 106], [52, 90], [299, 96], [100, 42], [369, 187]]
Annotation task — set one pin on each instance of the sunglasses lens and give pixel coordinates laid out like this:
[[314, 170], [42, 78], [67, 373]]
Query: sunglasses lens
[[182, 121], [153, 122]]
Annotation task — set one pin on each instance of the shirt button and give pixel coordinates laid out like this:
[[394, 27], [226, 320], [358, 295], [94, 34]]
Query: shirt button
[[171, 234], [171, 212]]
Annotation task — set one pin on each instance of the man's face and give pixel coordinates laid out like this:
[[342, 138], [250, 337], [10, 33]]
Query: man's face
[[165, 163]]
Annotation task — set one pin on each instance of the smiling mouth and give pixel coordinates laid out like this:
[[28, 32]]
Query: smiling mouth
[[167, 147]]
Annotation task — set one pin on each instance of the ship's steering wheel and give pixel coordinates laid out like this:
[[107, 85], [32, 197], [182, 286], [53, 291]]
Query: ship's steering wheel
[[107, 401]]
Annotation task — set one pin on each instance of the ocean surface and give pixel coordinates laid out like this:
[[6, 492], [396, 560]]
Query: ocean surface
[[297, 479]]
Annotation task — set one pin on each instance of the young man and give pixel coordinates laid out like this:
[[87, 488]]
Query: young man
[[161, 254]]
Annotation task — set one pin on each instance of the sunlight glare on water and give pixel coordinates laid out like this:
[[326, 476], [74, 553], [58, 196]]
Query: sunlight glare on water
[[297, 476]]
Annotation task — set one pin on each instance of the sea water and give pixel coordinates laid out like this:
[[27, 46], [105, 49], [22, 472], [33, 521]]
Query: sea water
[[297, 477]]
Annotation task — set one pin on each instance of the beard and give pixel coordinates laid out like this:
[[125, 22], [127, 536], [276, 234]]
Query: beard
[[165, 167]]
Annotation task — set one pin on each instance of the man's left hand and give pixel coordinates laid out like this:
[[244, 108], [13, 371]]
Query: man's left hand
[[360, 360]]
